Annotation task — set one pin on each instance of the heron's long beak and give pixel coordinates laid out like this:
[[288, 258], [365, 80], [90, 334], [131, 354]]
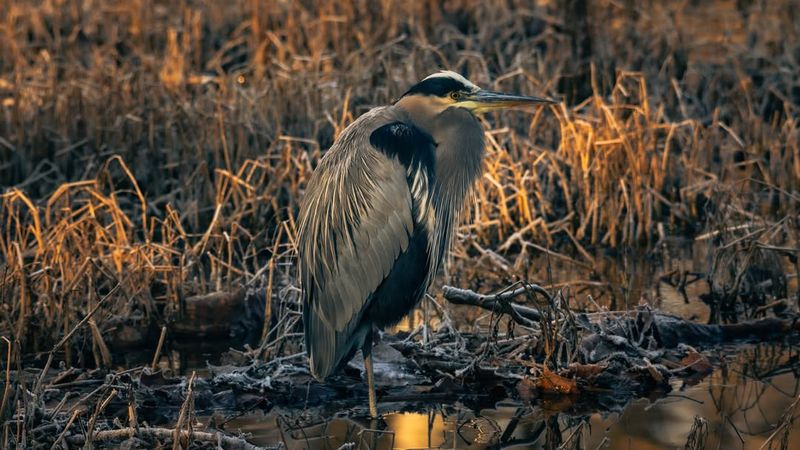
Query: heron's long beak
[[483, 101]]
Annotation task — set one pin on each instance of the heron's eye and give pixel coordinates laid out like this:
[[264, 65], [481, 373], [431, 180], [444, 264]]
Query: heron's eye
[[455, 95]]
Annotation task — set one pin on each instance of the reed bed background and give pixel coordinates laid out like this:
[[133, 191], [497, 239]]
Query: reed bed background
[[151, 151]]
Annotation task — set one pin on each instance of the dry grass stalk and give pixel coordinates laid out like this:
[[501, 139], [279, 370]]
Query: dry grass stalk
[[185, 415], [157, 354], [93, 420], [783, 429], [7, 384], [207, 437], [697, 435], [64, 432]]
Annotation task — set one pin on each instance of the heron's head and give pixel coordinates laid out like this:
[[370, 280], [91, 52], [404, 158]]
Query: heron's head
[[447, 89]]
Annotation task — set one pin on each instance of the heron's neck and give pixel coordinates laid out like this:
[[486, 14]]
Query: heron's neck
[[459, 153], [459, 157], [459, 139]]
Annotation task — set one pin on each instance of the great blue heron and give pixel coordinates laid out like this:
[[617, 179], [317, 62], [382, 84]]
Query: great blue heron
[[379, 213]]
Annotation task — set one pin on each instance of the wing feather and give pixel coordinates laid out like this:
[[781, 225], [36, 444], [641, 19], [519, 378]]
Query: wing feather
[[355, 222]]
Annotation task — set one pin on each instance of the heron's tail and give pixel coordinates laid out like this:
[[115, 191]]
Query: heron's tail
[[327, 349]]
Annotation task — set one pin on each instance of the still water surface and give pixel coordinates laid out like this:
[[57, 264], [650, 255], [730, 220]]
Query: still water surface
[[742, 401]]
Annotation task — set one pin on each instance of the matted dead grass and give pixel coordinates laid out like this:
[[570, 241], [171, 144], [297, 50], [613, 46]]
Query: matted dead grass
[[159, 150]]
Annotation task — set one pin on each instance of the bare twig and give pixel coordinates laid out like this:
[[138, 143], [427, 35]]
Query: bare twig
[[500, 302]]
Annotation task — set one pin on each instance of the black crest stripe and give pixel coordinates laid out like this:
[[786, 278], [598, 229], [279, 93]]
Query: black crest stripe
[[436, 86]]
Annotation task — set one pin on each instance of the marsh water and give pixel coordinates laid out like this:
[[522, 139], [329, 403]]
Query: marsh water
[[750, 389], [742, 401]]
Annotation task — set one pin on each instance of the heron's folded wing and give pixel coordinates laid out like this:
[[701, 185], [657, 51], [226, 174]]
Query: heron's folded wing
[[356, 221]]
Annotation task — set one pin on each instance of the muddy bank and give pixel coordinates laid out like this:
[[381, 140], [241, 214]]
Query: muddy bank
[[549, 354]]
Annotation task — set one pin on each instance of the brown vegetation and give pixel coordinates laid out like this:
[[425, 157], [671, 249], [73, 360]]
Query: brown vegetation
[[155, 151]]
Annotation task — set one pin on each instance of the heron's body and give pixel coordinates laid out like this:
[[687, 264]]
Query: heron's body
[[379, 213], [380, 242]]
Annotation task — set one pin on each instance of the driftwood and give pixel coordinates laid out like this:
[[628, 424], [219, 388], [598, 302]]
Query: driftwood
[[669, 331], [501, 302]]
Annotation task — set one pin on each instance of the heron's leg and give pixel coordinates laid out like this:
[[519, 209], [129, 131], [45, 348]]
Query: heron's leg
[[373, 406], [366, 350]]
